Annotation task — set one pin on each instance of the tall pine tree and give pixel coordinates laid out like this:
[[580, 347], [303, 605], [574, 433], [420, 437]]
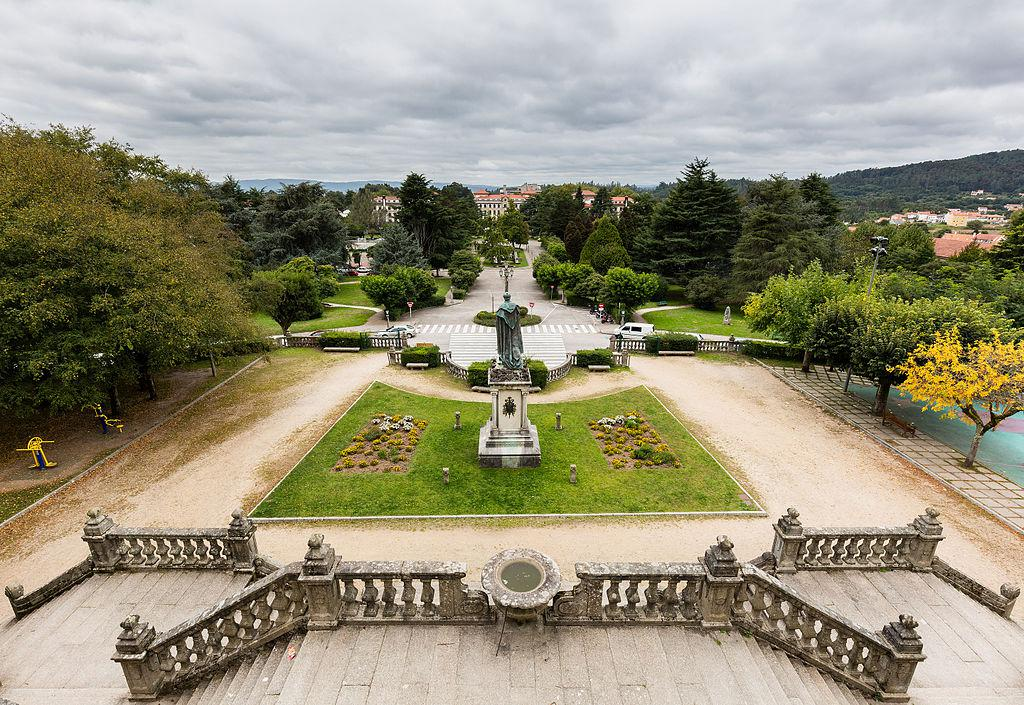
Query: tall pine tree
[[602, 203], [695, 228]]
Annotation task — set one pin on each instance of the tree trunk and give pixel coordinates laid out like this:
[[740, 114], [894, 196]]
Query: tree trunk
[[808, 357], [975, 442], [881, 397], [213, 365], [115, 400], [146, 381]]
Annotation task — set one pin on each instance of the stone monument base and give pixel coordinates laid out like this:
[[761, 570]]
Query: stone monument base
[[508, 439], [503, 450]]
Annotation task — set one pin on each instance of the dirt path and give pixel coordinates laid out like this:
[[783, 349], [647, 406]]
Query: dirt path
[[788, 452]]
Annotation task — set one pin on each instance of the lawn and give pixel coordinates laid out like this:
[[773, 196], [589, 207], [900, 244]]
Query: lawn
[[694, 320], [350, 295], [673, 297], [314, 489], [332, 318]]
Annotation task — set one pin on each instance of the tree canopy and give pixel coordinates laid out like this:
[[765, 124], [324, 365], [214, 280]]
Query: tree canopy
[[603, 249]]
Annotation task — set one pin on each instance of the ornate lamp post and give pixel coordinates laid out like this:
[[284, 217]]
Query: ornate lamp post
[[506, 273], [878, 250]]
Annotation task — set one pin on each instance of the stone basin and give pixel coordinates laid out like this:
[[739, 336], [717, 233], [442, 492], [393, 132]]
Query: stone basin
[[522, 582]]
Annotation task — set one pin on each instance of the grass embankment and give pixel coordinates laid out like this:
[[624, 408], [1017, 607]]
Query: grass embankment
[[673, 297], [314, 489], [694, 320], [332, 318], [350, 295]]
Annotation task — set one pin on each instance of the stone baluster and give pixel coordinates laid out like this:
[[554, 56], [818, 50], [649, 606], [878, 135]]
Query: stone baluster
[[144, 680], [894, 680], [670, 599], [323, 596], [408, 597], [370, 593], [390, 608], [922, 547], [241, 542], [102, 547], [349, 597], [613, 610], [653, 596], [789, 544], [632, 610], [427, 597], [721, 581]]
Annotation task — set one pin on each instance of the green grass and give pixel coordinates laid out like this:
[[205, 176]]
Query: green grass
[[313, 489], [13, 502], [350, 295], [332, 318], [694, 320], [674, 297], [443, 285]]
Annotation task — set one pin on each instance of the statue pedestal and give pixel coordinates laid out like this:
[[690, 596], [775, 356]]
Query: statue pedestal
[[508, 439]]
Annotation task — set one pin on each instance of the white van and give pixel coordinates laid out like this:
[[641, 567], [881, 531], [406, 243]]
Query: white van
[[635, 331]]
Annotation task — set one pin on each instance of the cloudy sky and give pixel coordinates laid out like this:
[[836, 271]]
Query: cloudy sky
[[509, 92]]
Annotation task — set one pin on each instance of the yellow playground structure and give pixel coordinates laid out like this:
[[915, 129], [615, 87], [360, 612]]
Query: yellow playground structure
[[106, 422], [35, 447]]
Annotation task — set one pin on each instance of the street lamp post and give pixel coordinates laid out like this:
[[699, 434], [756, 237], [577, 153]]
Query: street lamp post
[[387, 317], [877, 250], [506, 273]]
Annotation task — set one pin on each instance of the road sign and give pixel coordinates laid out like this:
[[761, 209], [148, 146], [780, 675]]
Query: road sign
[[409, 304], [531, 304], [600, 307]]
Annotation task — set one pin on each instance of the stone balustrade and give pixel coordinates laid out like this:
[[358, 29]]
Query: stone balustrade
[[24, 604], [454, 369], [559, 371], [881, 664], [1001, 602]]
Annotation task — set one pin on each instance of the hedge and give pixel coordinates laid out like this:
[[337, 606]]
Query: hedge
[[422, 352], [597, 356], [458, 293], [772, 351], [670, 341], [344, 339], [538, 373], [486, 318], [477, 376]]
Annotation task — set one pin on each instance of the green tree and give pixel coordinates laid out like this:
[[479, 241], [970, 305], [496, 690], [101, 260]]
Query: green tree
[[325, 276], [463, 268], [1009, 253], [286, 296], [298, 220], [628, 289], [779, 235], [696, 227], [398, 285], [815, 190], [602, 203], [590, 288], [603, 249], [513, 226], [397, 246], [635, 227], [576, 234], [911, 247], [705, 291]]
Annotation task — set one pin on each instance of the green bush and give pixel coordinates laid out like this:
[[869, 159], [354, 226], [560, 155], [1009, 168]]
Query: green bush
[[772, 351], [705, 291], [597, 356], [486, 318], [538, 373], [478, 374], [343, 339], [652, 344], [458, 293], [422, 352], [678, 341]]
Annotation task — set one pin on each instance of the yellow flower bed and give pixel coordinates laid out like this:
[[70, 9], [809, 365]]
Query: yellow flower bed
[[385, 444]]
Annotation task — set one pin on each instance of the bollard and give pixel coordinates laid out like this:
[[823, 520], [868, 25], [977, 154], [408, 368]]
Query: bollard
[[458, 420], [558, 421], [572, 474], [444, 475]]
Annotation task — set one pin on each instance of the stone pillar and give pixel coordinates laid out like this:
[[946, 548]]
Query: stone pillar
[[1009, 592], [894, 681], [929, 533], [721, 581], [102, 549], [323, 595], [242, 542], [788, 546], [144, 681]]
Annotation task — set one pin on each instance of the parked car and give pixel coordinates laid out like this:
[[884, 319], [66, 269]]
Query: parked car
[[406, 329], [362, 271], [635, 331]]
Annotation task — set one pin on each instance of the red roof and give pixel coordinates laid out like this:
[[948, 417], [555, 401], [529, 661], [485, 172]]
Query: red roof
[[948, 247]]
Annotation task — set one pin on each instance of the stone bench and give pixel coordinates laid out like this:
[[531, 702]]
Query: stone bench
[[599, 368], [684, 353], [341, 349], [417, 365]]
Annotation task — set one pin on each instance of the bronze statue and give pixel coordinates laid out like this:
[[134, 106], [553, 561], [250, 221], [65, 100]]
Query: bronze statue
[[510, 335]]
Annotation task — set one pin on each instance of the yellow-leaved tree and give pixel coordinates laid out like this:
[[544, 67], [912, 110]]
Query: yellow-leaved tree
[[948, 375]]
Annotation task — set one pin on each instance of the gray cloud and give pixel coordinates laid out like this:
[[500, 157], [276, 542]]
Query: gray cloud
[[502, 93]]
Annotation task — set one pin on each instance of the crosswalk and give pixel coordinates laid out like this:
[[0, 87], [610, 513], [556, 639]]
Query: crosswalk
[[552, 328], [474, 347]]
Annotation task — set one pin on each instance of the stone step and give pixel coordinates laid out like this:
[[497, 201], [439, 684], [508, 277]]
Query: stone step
[[284, 665], [467, 348]]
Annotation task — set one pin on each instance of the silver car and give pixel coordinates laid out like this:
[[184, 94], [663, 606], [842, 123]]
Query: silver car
[[406, 329]]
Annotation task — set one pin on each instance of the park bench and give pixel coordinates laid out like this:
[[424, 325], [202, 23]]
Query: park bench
[[599, 368], [905, 427], [417, 365], [661, 303], [685, 353], [341, 349]]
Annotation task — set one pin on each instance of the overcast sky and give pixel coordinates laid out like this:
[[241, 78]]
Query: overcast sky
[[509, 92]]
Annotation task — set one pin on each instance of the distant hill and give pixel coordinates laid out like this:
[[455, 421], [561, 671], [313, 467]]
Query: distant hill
[[995, 172], [275, 184]]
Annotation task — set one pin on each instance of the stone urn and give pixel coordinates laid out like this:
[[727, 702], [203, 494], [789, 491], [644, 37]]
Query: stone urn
[[521, 582]]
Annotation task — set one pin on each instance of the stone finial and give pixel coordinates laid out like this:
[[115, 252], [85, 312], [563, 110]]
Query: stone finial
[[17, 591], [790, 524], [319, 558], [97, 523], [928, 524], [720, 560], [445, 473], [240, 524], [1009, 591], [572, 474], [135, 635], [458, 420], [903, 635]]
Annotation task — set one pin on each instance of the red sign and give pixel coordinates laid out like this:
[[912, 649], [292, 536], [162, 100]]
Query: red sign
[[531, 304], [600, 307], [409, 304]]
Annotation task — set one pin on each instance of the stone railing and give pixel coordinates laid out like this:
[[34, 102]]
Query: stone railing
[[1001, 602], [374, 341], [560, 371], [297, 341], [265, 610], [653, 592], [620, 357], [455, 370], [729, 346], [880, 664], [23, 604], [803, 548], [626, 344]]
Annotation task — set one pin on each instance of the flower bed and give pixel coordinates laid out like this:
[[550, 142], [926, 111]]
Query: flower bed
[[629, 441], [386, 444]]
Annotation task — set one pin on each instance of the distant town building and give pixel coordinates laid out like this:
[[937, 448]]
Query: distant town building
[[952, 244], [978, 192], [493, 205], [386, 208], [1013, 206]]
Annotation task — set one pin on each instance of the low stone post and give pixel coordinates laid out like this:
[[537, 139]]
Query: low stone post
[[572, 474], [788, 546], [458, 420], [444, 475], [894, 681], [721, 581], [242, 542], [929, 533], [1009, 592], [558, 421], [144, 680], [102, 549], [323, 595]]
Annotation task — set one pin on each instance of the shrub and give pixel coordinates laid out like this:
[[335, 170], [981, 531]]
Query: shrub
[[705, 291], [486, 318], [538, 373], [597, 356], [652, 344], [772, 351], [422, 352], [477, 376], [343, 339], [458, 293], [678, 341]]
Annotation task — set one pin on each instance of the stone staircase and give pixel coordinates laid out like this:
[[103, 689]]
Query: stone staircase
[[467, 348]]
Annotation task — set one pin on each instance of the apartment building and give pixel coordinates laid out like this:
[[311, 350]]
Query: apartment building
[[386, 208]]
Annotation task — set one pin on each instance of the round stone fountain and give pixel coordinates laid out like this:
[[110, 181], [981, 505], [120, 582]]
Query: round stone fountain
[[522, 582]]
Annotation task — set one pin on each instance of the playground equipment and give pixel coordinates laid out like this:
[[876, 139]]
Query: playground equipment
[[35, 447], [106, 423]]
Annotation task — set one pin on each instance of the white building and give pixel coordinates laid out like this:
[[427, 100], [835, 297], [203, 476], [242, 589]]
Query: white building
[[386, 208]]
